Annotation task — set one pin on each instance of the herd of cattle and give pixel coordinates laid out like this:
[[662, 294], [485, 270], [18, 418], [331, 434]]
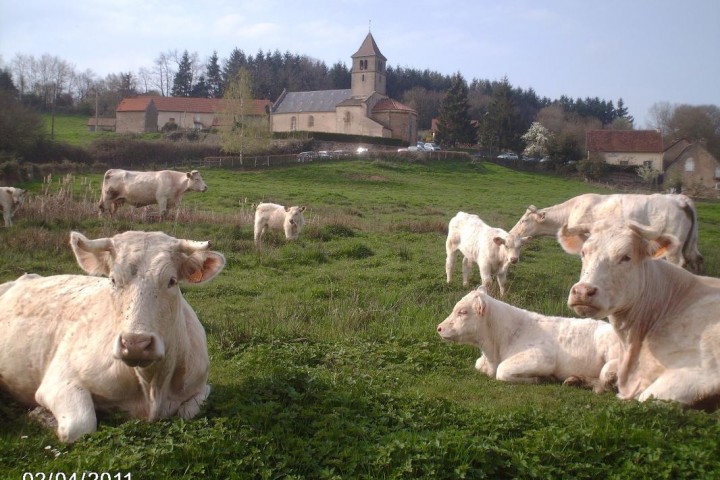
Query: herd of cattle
[[123, 337]]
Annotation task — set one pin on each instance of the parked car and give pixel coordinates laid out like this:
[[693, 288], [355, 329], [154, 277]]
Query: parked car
[[306, 156], [324, 155], [508, 156], [433, 147], [421, 146], [340, 153], [361, 150]]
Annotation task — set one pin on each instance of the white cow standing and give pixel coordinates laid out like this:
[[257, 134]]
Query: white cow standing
[[277, 217], [139, 189], [10, 200], [667, 317], [526, 347], [74, 344], [492, 249], [674, 214]]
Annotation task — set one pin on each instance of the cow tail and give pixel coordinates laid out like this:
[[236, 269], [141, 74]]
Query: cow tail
[[692, 255]]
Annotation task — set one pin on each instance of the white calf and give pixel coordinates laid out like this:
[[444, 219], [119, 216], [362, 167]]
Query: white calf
[[493, 249], [278, 217], [10, 200], [526, 347]]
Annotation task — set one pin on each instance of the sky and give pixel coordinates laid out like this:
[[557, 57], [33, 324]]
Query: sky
[[643, 51]]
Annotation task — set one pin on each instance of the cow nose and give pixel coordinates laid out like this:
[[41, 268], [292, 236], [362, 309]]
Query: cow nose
[[139, 349], [513, 259], [583, 290], [439, 328]]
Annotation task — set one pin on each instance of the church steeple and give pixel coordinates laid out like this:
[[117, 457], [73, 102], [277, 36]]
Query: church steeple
[[368, 69]]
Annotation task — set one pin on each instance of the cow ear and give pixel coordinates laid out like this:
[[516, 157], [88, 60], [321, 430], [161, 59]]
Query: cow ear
[[302, 209], [202, 266], [571, 240], [287, 209], [525, 240], [93, 256], [499, 241], [541, 217], [662, 246], [479, 305]]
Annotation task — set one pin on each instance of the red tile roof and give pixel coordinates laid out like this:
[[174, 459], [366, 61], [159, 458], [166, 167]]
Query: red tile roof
[[390, 104], [183, 104], [624, 141]]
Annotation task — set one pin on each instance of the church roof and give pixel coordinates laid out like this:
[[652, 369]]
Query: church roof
[[316, 101], [390, 104], [369, 48]]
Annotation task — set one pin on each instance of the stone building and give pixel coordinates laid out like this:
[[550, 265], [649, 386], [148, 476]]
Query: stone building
[[692, 168], [363, 109], [627, 147]]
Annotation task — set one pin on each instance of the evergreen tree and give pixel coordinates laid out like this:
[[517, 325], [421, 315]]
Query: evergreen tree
[[499, 128], [454, 125], [622, 112], [232, 65], [182, 84], [214, 77], [200, 89]]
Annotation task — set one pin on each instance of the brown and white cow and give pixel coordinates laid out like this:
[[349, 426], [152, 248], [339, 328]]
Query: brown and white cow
[[492, 249], [667, 317], [10, 200], [277, 217], [74, 344], [674, 214], [527, 347], [139, 189]]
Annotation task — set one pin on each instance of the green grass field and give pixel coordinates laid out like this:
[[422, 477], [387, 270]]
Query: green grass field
[[325, 361]]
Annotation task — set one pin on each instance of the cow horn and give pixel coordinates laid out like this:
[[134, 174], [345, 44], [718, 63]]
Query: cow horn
[[191, 246], [97, 245]]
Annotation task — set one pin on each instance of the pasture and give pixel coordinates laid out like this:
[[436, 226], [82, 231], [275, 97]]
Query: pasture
[[325, 361]]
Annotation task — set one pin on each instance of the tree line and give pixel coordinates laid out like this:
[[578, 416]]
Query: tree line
[[498, 114]]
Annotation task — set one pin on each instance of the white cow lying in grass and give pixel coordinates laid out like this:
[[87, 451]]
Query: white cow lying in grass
[[526, 347], [277, 217], [493, 249], [10, 200]]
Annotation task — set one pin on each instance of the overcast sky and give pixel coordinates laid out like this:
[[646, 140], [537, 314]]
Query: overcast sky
[[645, 51]]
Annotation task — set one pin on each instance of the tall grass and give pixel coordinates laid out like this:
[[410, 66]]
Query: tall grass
[[325, 362]]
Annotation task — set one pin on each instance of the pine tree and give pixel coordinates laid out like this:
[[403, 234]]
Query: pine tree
[[214, 77], [499, 128], [182, 84], [454, 125], [622, 112]]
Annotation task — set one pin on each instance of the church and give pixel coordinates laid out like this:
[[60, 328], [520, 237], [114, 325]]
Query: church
[[364, 109]]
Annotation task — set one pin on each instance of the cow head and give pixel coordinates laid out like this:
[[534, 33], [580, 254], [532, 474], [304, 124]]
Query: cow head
[[15, 197], [464, 324], [530, 223], [144, 270], [510, 245], [294, 222], [196, 182], [612, 264]]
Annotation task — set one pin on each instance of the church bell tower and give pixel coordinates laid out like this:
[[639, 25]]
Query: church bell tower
[[368, 69]]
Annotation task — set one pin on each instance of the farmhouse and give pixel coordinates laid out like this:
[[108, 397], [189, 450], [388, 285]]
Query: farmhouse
[[364, 109], [690, 166], [627, 147], [149, 113]]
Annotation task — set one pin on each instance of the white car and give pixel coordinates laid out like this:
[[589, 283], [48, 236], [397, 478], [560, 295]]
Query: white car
[[433, 147], [508, 156]]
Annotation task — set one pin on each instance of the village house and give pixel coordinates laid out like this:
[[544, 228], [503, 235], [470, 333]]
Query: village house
[[690, 167], [627, 147], [150, 113], [363, 109]]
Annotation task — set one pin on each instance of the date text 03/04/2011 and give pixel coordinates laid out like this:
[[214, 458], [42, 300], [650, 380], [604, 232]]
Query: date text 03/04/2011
[[77, 476]]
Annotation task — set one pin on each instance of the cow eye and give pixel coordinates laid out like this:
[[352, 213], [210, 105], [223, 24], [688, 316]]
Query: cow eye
[[173, 282], [112, 281], [462, 312], [625, 258]]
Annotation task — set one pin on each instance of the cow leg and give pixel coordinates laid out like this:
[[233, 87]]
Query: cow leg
[[259, 232], [191, 407], [7, 216], [502, 279], [684, 385], [483, 365], [450, 262], [163, 206], [529, 366], [72, 407], [467, 265], [485, 275]]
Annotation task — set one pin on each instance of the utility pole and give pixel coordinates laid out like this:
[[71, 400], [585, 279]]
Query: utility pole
[[96, 109], [52, 123]]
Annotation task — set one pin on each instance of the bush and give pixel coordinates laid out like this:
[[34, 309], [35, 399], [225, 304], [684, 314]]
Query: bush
[[593, 168]]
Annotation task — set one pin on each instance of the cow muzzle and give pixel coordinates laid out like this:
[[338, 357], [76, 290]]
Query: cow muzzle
[[139, 349], [583, 298]]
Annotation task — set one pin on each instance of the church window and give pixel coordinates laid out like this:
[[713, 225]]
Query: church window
[[690, 165], [293, 124], [311, 121], [346, 117], [717, 172]]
